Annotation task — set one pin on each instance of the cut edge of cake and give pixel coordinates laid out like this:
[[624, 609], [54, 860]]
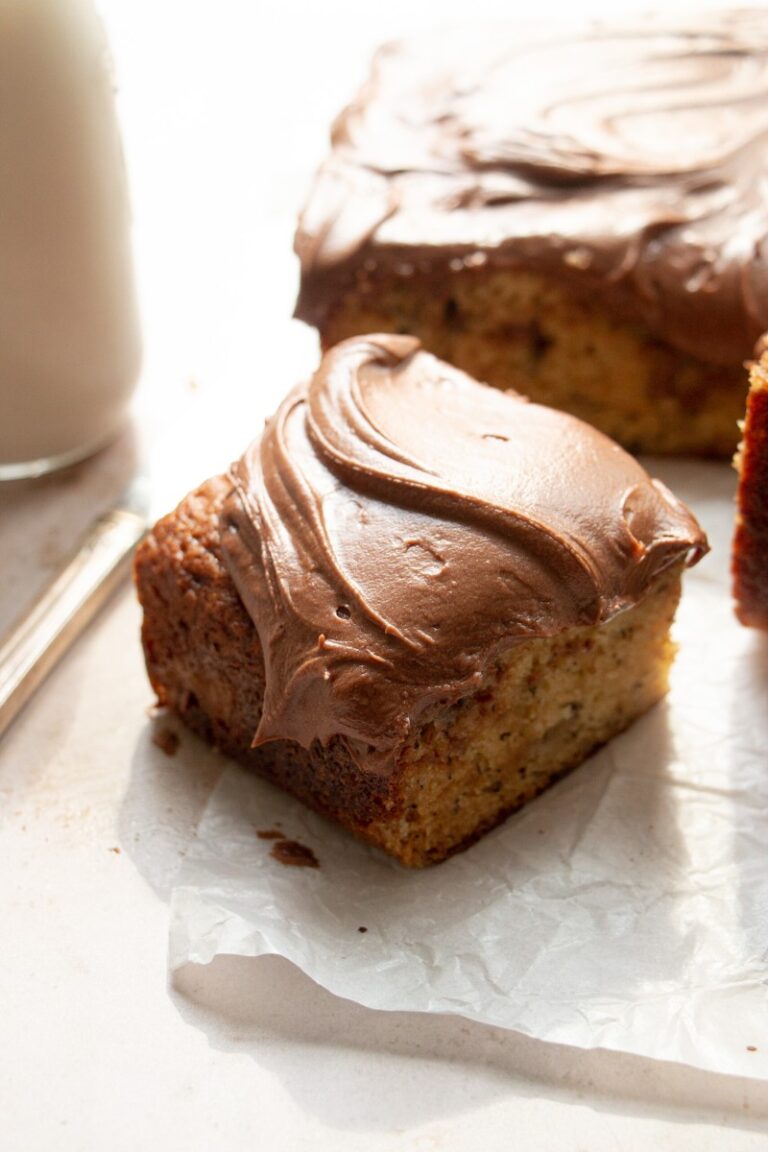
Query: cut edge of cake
[[750, 546], [518, 329]]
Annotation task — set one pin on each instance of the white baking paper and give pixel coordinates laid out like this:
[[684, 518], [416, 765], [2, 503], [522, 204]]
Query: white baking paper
[[626, 909]]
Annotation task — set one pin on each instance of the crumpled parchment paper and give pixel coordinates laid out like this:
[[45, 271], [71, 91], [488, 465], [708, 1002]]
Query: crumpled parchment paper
[[625, 909]]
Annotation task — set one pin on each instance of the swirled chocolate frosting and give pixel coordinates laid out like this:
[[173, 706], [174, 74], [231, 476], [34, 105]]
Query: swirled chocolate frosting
[[629, 161], [397, 526]]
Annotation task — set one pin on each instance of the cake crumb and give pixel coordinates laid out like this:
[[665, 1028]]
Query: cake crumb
[[362, 928], [294, 854], [751, 1048], [166, 740], [116, 850], [270, 834]]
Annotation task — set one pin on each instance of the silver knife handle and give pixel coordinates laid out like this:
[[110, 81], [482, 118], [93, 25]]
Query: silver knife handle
[[65, 607]]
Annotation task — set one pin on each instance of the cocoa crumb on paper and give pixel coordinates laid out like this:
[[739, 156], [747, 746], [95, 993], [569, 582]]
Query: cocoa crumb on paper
[[294, 855], [166, 740]]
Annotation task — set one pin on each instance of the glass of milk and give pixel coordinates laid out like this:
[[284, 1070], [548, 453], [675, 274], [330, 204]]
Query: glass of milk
[[69, 335]]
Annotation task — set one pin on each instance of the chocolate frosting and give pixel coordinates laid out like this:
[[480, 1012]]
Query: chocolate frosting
[[629, 161], [397, 526]]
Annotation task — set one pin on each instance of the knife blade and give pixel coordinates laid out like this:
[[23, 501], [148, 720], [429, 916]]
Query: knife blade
[[102, 560]]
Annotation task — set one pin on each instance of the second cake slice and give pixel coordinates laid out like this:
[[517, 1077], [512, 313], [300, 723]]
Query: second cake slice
[[577, 214]]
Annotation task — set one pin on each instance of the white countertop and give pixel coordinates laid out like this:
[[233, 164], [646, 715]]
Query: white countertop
[[98, 1051]]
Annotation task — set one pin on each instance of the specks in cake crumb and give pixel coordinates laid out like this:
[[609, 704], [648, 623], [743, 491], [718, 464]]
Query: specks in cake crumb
[[166, 740], [270, 834], [293, 854], [362, 928], [578, 258], [540, 342]]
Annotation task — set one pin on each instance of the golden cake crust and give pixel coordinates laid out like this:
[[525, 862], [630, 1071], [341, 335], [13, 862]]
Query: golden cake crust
[[205, 662]]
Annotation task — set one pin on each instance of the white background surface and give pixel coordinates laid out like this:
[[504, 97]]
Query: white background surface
[[225, 111]]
